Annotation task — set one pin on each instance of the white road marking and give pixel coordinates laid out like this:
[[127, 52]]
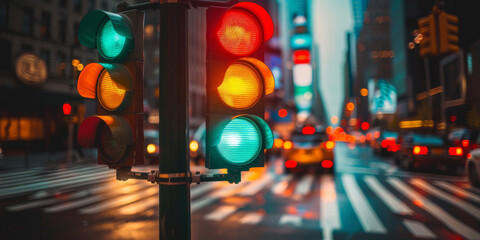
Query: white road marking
[[280, 187], [221, 213], [434, 210], [368, 219], [11, 191], [418, 229], [119, 201], [329, 212], [202, 188], [92, 199], [17, 174], [458, 191], [56, 175], [360, 170], [388, 198], [139, 206], [469, 208], [257, 185], [304, 185], [39, 203], [291, 219], [226, 191], [251, 218]]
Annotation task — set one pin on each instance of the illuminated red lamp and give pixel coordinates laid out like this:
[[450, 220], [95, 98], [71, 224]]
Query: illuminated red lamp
[[365, 126], [301, 56], [290, 164], [308, 130], [67, 109], [420, 150], [469, 155], [243, 28], [453, 118], [327, 164], [465, 143], [455, 151], [282, 113]]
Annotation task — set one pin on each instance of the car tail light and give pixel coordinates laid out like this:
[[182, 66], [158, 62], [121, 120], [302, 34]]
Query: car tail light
[[455, 151], [308, 130], [384, 143], [330, 145], [395, 147], [290, 164], [287, 145], [465, 143], [327, 163], [420, 150], [469, 155]]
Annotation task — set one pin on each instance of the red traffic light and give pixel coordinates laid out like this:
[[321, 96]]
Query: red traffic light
[[282, 113], [301, 56], [365, 126], [67, 109]]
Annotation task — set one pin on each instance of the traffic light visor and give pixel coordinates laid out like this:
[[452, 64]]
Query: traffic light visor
[[244, 83], [118, 127], [110, 33], [240, 141], [110, 83]]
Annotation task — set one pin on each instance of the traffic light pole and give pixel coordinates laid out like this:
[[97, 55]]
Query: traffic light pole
[[174, 198]]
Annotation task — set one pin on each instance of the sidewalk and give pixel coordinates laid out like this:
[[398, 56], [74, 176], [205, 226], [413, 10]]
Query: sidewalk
[[46, 159]]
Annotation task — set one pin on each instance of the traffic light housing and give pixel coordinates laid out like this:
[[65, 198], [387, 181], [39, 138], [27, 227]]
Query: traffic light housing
[[116, 84], [429, 43], [448, 32], [237, 82]]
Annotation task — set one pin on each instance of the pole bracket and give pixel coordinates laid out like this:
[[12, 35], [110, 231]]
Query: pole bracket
[[155, 176]]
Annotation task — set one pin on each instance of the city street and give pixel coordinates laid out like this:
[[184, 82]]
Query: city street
[[367, 198]]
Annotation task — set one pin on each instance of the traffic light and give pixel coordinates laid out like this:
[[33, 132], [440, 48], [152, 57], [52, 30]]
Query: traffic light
[[116, 84], [428, 29], [448, 30], [237, 82]]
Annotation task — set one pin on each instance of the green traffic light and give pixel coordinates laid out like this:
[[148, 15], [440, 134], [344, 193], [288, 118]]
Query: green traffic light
[[110, 42], [240, 142]]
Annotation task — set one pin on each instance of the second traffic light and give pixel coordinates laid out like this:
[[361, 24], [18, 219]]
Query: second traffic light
[[237, 82], [116, 83]]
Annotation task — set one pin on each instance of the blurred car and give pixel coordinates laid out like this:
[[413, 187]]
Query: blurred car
[[460, 142], [385, 142], [152, 151], [277, 147], [197, 145], [310, 151], [472, 166], [421, 151]]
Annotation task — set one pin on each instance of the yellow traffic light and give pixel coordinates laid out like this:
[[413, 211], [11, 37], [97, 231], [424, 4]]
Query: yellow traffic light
[[427, 27], [448, 30]]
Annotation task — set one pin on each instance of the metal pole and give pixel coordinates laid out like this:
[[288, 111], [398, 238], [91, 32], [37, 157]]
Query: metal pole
[[428, 86], [70, 142], [174, 200]]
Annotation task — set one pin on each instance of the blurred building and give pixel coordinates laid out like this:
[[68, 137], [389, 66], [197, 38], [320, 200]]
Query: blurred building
[[39, 44]]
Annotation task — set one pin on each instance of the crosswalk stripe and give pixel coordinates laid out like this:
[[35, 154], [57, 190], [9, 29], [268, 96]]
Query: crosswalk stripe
[[388, 198], [469, 208], [329, 212], [119, 201], [96, 198], [251, 218], [139, 206], [202, 188], [290, 219], [209, 199], [418, 230], [221, 213], [458, 191], [434, 210], [368, 219], [57, 174], [282, 185], [17, 174], [6, 192], [45, 202], [304, 185], [257, 185]]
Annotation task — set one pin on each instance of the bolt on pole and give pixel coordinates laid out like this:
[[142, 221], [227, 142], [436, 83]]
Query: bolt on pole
[[174, 198]]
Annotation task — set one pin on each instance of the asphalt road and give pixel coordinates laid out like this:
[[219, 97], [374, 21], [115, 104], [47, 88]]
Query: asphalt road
[[367, 198]]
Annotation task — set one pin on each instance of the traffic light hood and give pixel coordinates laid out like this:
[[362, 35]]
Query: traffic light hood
[[261, 14], [118, 126], [87, 81], [90, 26]]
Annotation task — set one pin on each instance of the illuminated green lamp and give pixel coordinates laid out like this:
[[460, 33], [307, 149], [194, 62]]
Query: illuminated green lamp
[[110, 33], [243, 138]]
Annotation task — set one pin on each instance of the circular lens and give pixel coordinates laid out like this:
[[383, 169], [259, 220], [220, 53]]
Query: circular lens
[[240, 33], [241, 87], [240, 141], [110, 42], [113, 151], [110, 94]]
